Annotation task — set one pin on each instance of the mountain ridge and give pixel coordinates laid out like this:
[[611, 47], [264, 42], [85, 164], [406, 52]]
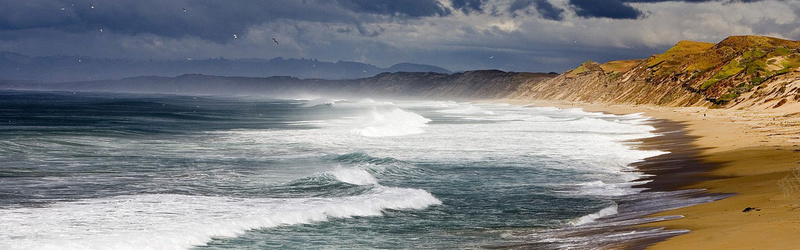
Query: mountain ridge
[[479, 84], [15, 66]]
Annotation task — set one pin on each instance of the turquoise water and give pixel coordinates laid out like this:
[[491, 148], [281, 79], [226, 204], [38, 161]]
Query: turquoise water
[[99, 171]]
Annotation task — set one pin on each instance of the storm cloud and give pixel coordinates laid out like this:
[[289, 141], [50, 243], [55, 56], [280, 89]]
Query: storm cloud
[[520, 35]]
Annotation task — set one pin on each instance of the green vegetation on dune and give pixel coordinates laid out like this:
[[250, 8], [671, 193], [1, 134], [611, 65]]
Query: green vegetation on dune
[[730, 69], [728, 97], [619, 66], [679, 52], [781, 51], [719, 73], [752, 60], [586, 66], [789, 63], [581, 69], [690, 47]]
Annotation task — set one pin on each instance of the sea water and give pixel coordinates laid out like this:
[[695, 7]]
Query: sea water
[[120, 171]]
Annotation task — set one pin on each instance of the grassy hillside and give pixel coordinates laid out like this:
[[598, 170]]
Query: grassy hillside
[[740, 71]]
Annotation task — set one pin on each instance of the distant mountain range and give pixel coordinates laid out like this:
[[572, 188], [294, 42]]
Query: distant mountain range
[[15, 66]]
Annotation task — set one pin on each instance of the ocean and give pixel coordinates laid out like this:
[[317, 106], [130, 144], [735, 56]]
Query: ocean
[[139, 171]]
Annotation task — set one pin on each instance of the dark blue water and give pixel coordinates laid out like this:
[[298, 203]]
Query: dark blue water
[[98, 171]]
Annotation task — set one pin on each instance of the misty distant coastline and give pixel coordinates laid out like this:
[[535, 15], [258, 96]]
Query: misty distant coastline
[[14, 66], [479, 84]]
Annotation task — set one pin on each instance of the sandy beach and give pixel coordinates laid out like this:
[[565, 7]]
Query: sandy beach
[[755, 155]]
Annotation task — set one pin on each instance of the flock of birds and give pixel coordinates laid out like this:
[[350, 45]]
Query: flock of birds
[[91, 6]]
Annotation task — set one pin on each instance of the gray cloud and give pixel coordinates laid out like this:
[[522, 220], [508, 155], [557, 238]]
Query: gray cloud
[[211, 20], [533, 35]]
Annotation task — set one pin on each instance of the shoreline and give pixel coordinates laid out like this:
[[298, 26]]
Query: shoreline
[[751, 154], [623, 230]]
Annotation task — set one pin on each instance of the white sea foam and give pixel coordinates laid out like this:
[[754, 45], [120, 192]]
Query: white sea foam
[[573, 140], [600, 188], [321, 102], [594, 141], [165, 221], [354, 176], [390, 121], [589, 218], [467, 109], [372, 102]]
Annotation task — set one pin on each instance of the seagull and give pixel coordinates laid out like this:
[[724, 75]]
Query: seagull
[[63, 9], [184, 10], [276, 41], [91, 6], [235, 37]]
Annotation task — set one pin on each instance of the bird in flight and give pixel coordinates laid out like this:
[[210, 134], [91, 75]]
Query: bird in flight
[[276, 41]]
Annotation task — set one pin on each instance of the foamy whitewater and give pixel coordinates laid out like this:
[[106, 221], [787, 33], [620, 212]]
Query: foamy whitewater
[[113, 171]]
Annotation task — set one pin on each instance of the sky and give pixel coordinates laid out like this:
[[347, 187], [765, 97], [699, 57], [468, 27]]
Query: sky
[[511, 35]]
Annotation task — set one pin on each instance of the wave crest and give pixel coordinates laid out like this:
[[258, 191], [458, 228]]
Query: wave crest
[[354, 176], [391, 121], [589, 218], [168, 221]]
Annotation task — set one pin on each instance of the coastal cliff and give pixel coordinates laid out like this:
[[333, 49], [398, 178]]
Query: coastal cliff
[[739, 72]]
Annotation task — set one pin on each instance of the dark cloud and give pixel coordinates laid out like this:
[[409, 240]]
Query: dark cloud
[[410, 8], [619, 9], [692, 1], [548, 11], [543, 7], [615, 9], [382, 32], [210, 20], [468, 5]]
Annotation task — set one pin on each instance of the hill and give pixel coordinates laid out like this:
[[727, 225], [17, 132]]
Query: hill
[[738, 72]]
